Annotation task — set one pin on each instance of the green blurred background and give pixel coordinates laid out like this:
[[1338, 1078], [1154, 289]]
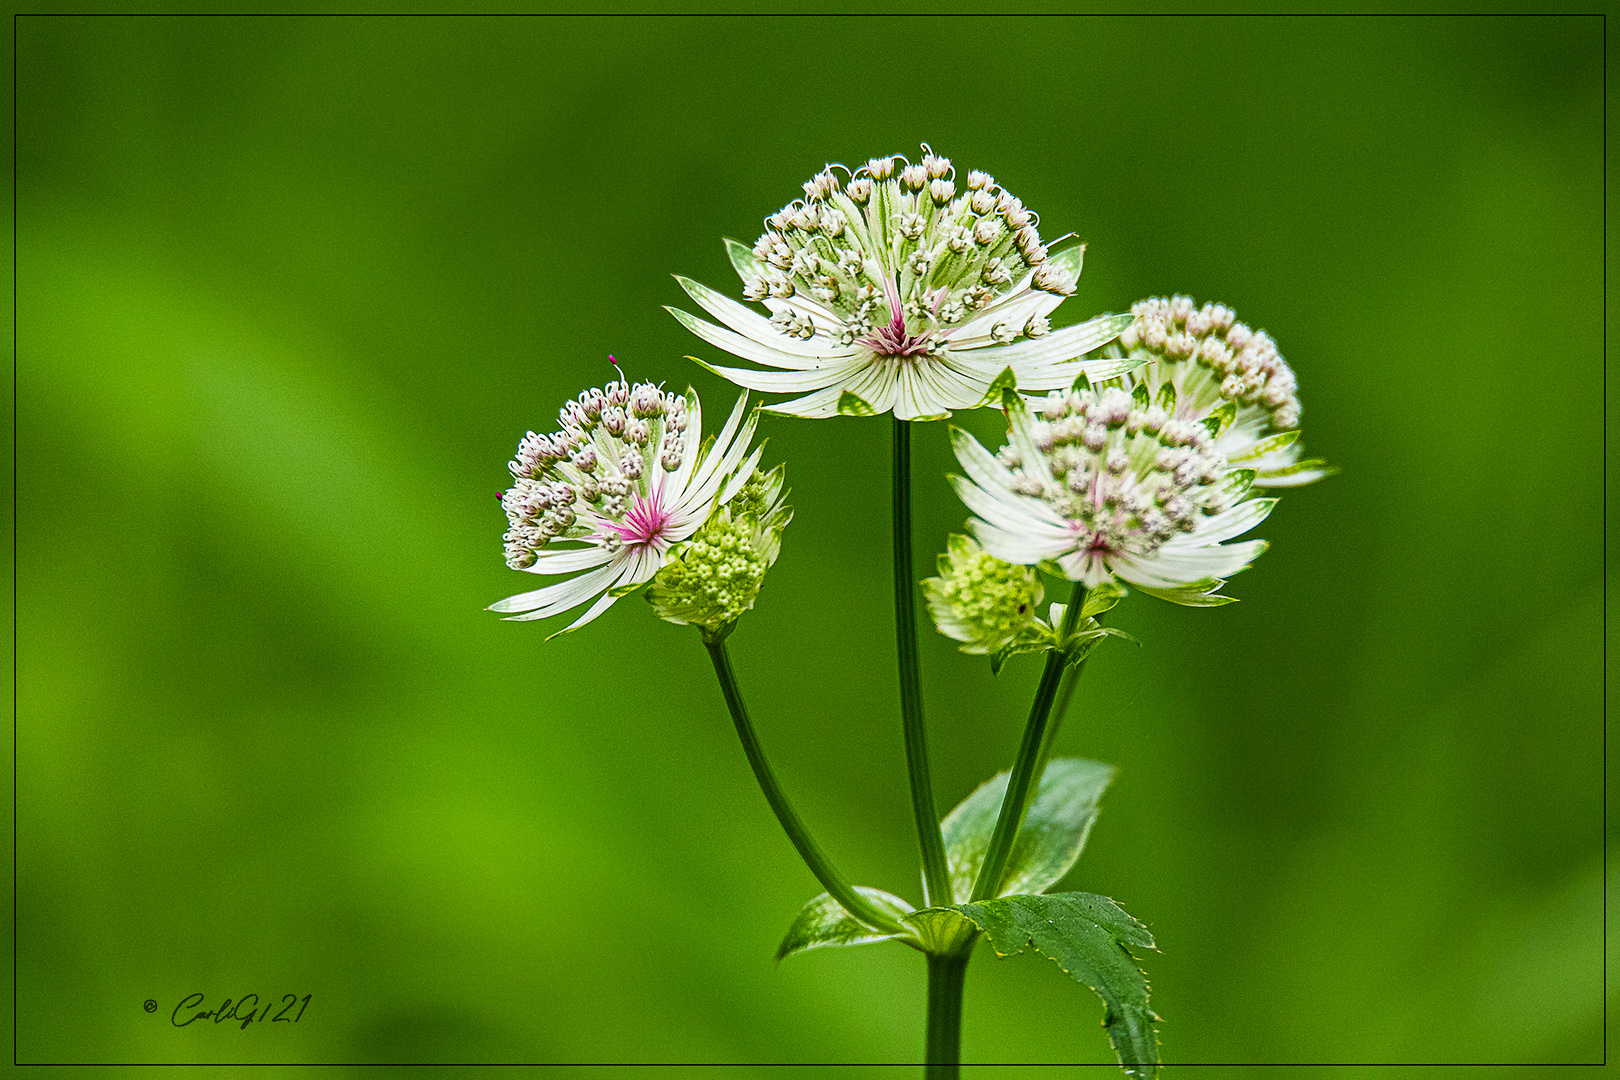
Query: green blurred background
[[290, 291]]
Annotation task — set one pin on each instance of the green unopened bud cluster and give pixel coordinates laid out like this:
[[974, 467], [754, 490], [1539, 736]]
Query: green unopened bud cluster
[[980, 600], [713, 578]]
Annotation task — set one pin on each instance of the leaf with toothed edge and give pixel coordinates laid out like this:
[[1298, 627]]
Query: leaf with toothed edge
[[853, 405], [1089, 938]]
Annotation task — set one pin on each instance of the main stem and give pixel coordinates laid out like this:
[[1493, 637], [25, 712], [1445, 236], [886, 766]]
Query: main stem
[[1026, 770], [826, 873], [946, 975], [936, 874]]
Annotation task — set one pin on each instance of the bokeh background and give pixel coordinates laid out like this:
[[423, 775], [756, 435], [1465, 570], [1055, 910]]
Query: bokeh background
[[288, 293]]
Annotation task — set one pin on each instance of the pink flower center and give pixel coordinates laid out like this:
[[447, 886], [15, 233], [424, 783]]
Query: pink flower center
[[893, 339], [643, 527]]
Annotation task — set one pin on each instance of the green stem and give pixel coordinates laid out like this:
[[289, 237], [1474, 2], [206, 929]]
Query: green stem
[[946, 975], [936, 873], [1026, 769], [831, 880], [1061, 709]]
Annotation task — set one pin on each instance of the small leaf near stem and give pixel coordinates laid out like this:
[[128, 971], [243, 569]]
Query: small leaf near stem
[[831, 880], [936, 875], [1022, 782]]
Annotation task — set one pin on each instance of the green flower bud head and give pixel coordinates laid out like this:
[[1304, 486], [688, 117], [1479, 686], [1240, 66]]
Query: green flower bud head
[[980, 600], [712, 579]]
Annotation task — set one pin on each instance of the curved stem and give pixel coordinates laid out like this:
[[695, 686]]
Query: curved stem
[[946, 975], [936, 874], [831, 880], [1026, 769]]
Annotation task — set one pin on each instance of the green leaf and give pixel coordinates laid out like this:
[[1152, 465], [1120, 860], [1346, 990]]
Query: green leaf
[[852, 405], [1087, 937], [1081, 384], [1050, 840], [1002, 385], [824, 923], [1140, 397]]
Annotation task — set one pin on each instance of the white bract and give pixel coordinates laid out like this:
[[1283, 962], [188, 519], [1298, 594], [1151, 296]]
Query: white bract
[[1100, 484], [1211, 362], [895, 291], [626, 478]]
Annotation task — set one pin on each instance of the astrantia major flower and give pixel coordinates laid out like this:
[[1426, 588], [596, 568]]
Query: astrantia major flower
[[900, 290], [1212, 362], [606, 497], [711, 579], [1103, 484]]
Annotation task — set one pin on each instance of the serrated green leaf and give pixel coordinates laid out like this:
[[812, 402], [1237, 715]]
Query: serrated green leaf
[[1167, 397], [1053, 834], [824, 923], [1140, 397], [853, 405], [1087, 937], [1101, 598]]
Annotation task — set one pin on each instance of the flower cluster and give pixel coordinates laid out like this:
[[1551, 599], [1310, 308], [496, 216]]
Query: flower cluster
[[626, 477], [1210, 360], [897, 289], [981, 600], [710, 580], [1103, 483]]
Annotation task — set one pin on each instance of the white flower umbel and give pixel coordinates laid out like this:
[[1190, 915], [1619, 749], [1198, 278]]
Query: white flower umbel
[[1200, 360], [626, 478], [900, 289], [1100, 484]]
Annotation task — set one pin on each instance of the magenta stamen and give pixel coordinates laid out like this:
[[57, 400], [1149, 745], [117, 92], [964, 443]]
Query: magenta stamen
[[644, 525], [892, 340]]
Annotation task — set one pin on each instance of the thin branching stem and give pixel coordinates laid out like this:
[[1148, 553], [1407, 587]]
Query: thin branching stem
[[821, 866], [1025, 774]]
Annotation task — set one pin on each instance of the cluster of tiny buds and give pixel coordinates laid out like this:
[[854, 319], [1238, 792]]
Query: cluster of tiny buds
[[591, 465], [958, 251], [1244, 363], [1129, 475]]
